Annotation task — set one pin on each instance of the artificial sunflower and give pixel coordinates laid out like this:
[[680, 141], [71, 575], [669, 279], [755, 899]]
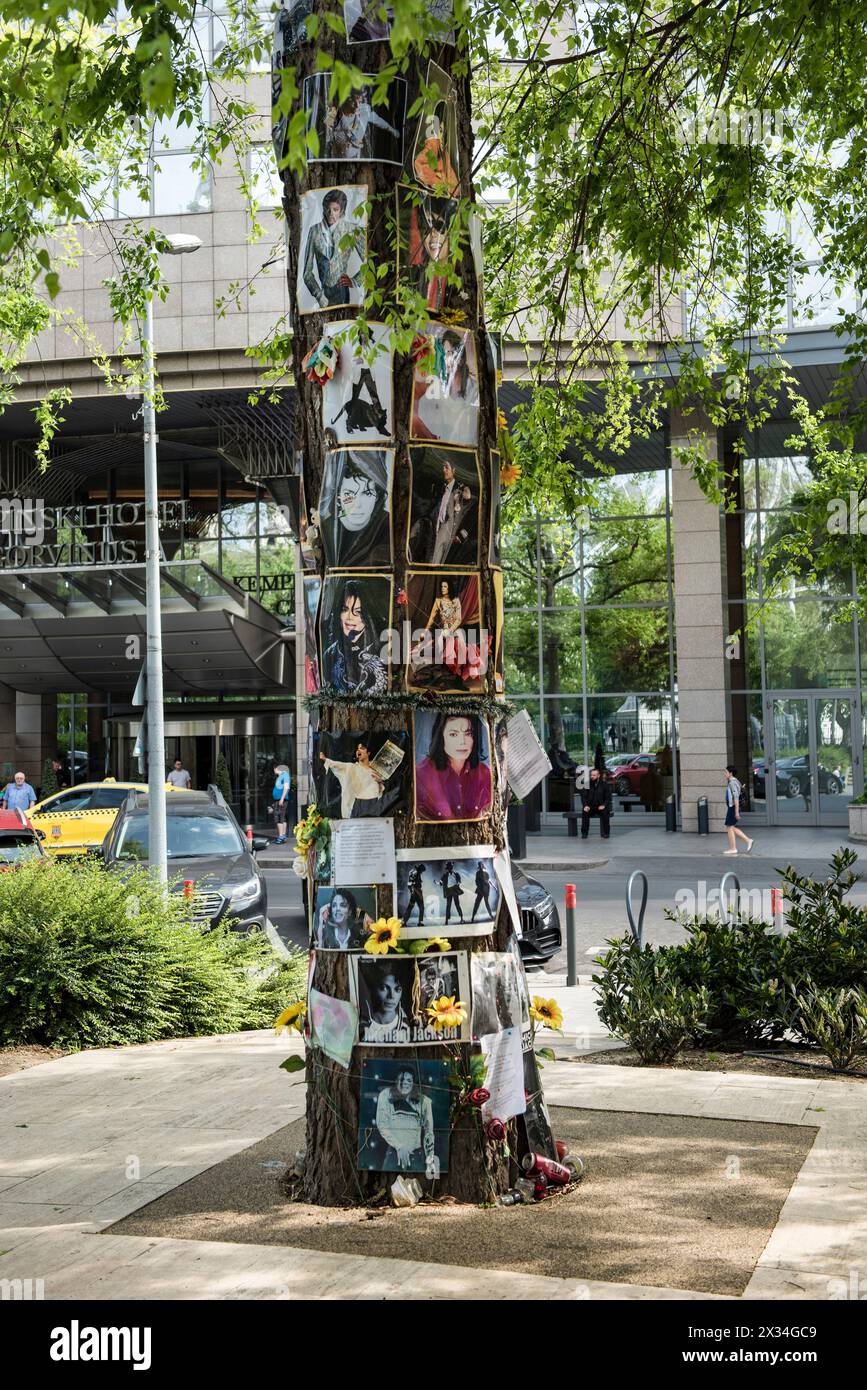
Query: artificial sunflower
[[446, 1012], [547, 1012], [509, 474], [292, 1017], [437, 943], [382, 935]]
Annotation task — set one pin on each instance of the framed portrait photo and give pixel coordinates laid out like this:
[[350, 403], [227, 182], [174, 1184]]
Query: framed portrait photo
[[434, 160], [355, 508], [431, 244], [445, 507], [367, 21], [354, 130], [312, 589], [403, 1117], [392, 994], [453, 774], [341, 917], [333, 248], [445, 388], [449, 890], [357, 401], [354, 632], [361, 774], [449, 648]]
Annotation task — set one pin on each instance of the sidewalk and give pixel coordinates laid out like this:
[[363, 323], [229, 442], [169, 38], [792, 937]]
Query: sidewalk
[[773, 844], [92, 1137]]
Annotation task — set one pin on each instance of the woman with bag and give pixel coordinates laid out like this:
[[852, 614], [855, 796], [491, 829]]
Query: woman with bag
[[733, 811]]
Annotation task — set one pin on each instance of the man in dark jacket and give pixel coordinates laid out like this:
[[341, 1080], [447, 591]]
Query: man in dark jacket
[[596, 801]]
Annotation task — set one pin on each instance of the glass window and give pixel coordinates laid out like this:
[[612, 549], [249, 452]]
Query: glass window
[[808, 644], [69, 801], [518, 550], [780, 479], [189, 837], [178, 186], [521, 652], [817, 299], [561, 651], [239, 561], [265, 181], [642, 494], [626, 560], [627, 647]]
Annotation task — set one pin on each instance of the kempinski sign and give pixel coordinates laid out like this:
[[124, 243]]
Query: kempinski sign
[[33, 536]]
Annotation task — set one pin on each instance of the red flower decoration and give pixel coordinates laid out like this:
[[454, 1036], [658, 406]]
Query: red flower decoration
[[401, 597], [495, 1130], [420, 347], [479, 1096]]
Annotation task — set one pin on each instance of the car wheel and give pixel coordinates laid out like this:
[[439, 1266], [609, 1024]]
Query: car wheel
[[834, 787], [793, 786], [622, 786]]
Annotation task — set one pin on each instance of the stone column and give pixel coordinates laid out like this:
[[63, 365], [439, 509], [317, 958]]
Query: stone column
[[701, 626], [7, 735], [35, 733]]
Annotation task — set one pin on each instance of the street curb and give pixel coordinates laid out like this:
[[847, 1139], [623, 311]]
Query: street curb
[[552, 865]]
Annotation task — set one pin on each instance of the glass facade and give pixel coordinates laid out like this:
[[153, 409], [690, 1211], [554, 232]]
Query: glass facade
[[794, 674], [589, 646]]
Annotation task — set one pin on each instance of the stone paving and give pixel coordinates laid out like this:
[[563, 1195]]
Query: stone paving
[[92, 1137]]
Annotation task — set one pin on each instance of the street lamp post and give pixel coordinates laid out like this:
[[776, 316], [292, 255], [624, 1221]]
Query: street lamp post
[[157, 850]]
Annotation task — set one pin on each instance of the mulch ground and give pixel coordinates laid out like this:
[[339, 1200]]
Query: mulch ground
[[669, 1201], [819, 1067]]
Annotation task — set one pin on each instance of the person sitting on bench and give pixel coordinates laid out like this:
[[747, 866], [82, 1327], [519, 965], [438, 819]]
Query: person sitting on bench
[[596, 801]]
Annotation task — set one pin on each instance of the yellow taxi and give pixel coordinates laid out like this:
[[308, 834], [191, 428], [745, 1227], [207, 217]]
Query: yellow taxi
[[76, 821]]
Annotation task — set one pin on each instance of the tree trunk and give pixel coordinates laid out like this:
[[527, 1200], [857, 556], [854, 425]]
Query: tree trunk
[[477, 1171]]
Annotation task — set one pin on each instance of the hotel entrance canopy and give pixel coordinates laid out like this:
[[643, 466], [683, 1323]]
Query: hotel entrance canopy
[[83, 629]]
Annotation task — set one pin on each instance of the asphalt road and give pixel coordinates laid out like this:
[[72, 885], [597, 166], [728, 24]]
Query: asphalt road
[[601, 896]]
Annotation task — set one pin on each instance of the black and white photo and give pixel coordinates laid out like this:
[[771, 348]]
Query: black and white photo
[[392, 994], [403, 1120], [452, 891], [333, 248], [498, 1000], [355, 508], [357, 401], [445, 501], [355, 130]]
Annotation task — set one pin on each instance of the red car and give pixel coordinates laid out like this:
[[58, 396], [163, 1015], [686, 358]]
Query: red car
[[627, 776], [18, 840]]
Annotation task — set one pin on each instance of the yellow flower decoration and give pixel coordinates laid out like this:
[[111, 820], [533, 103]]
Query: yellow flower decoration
[[446, 1012], [292, 1017], [547, 1012], [437, 943], [509, 474], [382, 935]]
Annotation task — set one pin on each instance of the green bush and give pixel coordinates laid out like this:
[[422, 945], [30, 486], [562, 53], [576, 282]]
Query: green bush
[[827, 940], [641, 999], [740, 964], [835, 1021], [93, 959], [48, 786]]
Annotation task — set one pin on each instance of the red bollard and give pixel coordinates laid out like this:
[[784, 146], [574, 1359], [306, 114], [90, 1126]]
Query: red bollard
[[189, 885], [249, 833], [571, 935], [778, 908]]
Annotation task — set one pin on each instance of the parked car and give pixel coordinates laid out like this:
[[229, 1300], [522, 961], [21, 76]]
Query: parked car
[[540, 920], [627, 775], [76, 821], [18, 840], [792, 777], [206, 848]]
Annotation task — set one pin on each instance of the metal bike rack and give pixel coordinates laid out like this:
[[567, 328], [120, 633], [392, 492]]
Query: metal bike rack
[[637, 931], [723, 889]]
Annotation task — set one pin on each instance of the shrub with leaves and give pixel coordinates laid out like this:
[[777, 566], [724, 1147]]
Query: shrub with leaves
[[827, 941], [641, 999], [740, 964], [90, 958], [835, 1021]]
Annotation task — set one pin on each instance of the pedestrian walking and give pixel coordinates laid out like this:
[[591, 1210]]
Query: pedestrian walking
[[596, 801], [179, 777], [734, 792], [19, 795], [282, 788]]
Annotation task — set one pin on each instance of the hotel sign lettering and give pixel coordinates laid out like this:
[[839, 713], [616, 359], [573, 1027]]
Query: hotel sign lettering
[[34, 536]]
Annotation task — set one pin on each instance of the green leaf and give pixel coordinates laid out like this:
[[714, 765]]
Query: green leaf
[[293, 1063]]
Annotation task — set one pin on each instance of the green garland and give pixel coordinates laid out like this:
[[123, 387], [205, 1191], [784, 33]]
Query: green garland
[[406, 700]]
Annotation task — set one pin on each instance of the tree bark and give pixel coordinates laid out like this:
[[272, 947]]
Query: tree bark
[[477, 1171]]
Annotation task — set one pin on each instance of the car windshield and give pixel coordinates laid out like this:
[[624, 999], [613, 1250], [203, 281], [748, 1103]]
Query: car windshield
[[13, 851], [188, 837]]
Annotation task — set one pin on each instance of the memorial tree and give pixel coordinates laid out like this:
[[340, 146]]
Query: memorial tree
[[419, 1027]]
